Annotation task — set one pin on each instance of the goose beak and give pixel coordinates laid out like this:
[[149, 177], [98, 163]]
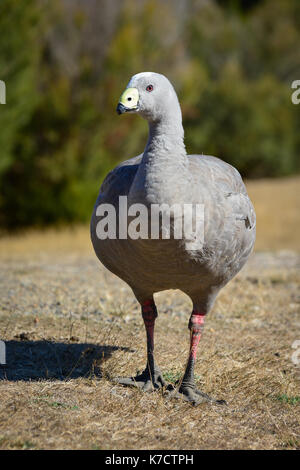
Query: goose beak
[[129, 101], [121, 108]]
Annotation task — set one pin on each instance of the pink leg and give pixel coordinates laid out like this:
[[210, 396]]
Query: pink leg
[[151, 378], [187, 389], [196, 325], [149, 314]]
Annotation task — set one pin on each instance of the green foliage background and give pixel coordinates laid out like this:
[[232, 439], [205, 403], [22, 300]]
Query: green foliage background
[[65, 63]]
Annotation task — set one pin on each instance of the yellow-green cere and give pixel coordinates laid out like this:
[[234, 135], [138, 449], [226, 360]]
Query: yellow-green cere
[[130, 98]]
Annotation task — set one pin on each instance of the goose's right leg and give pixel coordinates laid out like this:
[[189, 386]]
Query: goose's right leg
[[187, 389], [151, 378]]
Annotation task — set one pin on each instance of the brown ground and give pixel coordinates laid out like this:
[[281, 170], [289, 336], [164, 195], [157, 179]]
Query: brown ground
[[70, 325]]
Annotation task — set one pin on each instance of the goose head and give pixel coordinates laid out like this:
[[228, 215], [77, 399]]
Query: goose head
[[152, 96]]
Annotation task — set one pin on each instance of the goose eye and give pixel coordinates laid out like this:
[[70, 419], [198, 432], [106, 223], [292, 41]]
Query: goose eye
[[149, 88]]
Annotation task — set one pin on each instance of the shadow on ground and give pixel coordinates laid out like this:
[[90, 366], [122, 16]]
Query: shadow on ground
[[36, 360]]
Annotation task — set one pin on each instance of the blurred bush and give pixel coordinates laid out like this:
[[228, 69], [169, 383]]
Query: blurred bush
[[66, 62]]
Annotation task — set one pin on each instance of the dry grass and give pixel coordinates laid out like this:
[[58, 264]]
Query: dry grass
[[277, 205], [69, 326]]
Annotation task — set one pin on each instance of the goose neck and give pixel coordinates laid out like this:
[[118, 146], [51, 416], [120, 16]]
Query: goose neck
[[165, 141]]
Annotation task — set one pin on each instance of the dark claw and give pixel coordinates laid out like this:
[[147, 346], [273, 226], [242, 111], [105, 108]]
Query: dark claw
[[194, 396], [145, 381]]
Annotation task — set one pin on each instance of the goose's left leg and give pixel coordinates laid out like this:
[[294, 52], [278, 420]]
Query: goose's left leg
[[187, 389], [151, 378]]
